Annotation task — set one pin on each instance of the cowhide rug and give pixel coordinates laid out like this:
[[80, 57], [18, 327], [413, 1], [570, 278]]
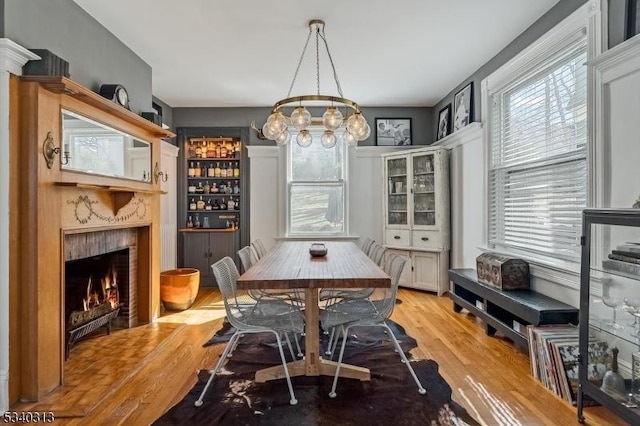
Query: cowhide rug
[[390, 398]]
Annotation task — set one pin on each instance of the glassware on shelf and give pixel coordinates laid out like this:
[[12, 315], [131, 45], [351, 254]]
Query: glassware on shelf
[[615, 303], [632, 306]]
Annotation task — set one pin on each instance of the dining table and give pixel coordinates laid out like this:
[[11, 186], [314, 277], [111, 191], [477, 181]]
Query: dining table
[[290, 266]]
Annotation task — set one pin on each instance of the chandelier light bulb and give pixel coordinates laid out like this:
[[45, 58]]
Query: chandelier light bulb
[[364, 132], [304, 138], [356, 123], [348, 138], [328, 139], [300, 118], [283, 138], [332, 118]]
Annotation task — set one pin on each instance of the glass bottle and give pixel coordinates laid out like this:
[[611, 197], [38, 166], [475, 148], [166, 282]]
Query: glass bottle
[[207, 188], [228, 189], [191, 189], [192, 151], [216, 172], [236, 187], [214, 188], [208, 206], [191, 171], [192, 204], [198, 151], [216, 205], [197, 172], [223, 205], [196, 222], [223, 171], [211, 152], [203, 150], [223, 151], [205, 222], [218, 150], [189, 223], [236, 169], [231, 205], [200, 204]]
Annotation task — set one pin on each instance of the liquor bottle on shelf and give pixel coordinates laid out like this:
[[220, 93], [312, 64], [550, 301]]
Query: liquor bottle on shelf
[[203, 171], [229, 169], [191, 170], [214, 188], [203, 150], [207, 188], [193, 205], [223, 151], [228, 189], [216, 205], [223, 171], [191, 189], [198, 150], [211, 152], [211, 171], [223, 205], [236, 169], [192, 150], [197, 172], [217, 150], [216, 172], [208, 206], [200, 204], [238, 204], [236, 187], [196, 222], [189, 223], [231, 205], [199, 188]]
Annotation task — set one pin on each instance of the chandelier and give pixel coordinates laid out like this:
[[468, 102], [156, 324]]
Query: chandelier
[[351, 125]]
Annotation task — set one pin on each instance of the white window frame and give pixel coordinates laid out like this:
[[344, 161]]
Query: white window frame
[[316, 132], [585, 20]]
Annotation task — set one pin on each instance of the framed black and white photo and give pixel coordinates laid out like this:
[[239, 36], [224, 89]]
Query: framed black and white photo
[[444, 122], [633, 18], [393, 131], [463, 107]]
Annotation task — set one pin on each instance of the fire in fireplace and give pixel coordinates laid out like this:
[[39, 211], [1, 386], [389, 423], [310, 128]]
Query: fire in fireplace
[[92, 293]]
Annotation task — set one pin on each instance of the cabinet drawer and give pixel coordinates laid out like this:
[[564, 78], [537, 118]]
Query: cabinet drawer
[[397, 237], [427, 239]]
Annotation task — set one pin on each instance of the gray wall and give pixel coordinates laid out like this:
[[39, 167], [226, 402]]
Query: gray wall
[[242, 117], [616, 30], [95, 55], [2, 18]]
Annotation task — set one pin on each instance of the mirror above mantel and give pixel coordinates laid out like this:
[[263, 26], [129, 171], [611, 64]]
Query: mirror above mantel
[[97, 149]]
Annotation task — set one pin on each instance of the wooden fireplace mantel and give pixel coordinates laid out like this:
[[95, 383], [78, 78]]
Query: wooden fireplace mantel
[[42, 212]]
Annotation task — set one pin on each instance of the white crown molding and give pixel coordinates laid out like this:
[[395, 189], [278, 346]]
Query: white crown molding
[[469, 133], [168, 148], [13, 56], [256, 151], [377, 151]]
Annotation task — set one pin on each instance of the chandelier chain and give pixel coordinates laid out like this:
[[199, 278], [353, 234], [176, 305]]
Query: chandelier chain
[[295, 75], [318, 60], [333, 67]]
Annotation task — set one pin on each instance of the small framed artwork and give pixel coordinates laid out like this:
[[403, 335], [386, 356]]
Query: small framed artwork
[[633, 18], [444, 122], [463, 107], [393, 131]]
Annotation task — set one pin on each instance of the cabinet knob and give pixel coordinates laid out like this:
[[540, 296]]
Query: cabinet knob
[[397, 237], [425, 238]]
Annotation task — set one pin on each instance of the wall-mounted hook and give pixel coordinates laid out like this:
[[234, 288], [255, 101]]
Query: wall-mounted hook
[[258, 131], [157, 174]]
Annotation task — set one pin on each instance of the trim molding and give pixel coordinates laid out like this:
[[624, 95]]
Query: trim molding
[[12, 58], [467, 134], [256, 151]]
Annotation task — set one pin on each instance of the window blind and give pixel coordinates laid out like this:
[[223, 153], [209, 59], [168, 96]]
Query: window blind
[[538, 157]]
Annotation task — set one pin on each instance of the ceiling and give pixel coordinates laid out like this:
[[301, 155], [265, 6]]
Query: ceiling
[[243, 53]]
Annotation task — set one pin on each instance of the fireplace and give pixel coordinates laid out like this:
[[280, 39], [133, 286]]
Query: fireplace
[[100, 282]]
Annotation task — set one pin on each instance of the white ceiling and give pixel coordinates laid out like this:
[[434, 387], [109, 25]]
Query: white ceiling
[[244, 52]]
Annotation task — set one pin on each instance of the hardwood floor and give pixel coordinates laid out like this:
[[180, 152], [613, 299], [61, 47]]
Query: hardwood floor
[[132, 376]]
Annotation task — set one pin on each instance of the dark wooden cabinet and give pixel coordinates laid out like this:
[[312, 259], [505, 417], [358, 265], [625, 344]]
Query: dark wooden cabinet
[[202, 248]]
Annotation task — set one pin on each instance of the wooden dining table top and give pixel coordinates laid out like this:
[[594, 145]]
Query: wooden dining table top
[[290, 265]]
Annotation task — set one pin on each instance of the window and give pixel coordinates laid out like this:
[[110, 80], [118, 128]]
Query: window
[[316, 189], [538, 155]]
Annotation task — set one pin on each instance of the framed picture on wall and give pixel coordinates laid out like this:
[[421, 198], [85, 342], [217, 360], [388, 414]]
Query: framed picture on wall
[[393, 131], [463, 107], [444, 122], [633, 18]]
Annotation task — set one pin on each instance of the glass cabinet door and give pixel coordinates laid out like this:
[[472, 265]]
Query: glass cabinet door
[[424, 196], [397, 191]]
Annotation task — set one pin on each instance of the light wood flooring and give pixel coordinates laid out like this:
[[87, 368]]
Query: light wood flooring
[[132, 376]]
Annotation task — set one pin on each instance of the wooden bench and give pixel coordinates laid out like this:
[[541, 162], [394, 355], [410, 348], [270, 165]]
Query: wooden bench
[[506, 311]]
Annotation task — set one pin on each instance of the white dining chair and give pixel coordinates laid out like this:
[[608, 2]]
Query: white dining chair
[[247, 315], [372, 311]]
